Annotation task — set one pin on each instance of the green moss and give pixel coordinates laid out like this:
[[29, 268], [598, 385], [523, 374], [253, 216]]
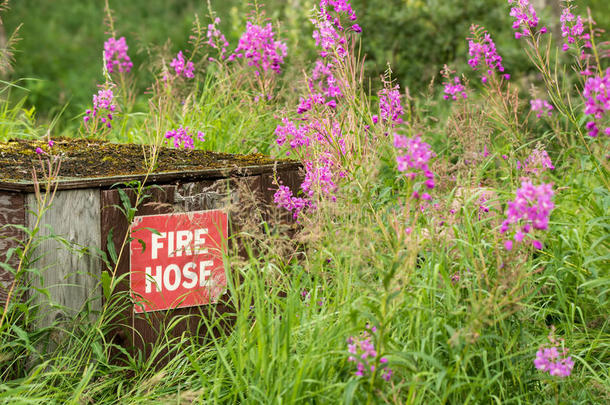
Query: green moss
[[86, 158]]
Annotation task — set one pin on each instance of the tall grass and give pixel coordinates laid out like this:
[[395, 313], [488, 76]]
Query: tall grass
[[457, 316]]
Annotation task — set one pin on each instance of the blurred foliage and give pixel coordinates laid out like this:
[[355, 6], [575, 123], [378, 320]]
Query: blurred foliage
[[62, 40], [62, 43], [418, 37]]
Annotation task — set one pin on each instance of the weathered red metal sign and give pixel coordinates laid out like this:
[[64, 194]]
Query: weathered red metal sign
[[176, 259]]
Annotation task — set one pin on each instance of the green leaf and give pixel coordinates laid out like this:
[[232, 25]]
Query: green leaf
[[106, 284], [21, 334], [350, 390], [131, 211], [143, 244], [111, 248]]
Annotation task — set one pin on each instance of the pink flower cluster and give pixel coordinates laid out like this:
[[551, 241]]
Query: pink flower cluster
[[541, 107], [329, 31], [571, 28], [258, 46], [319, 173], [329, 39], [317, 137], [103, 108], [453, 89], [597, 102], [323, 87], [390, 106], [216, 39], [284, 198], [319, 177], [537, 162], [413, 157], [483, 52], [525, 18], [115, 54], [550, 358], [295, 136], [182, 67], [362, 352], [339, 7], [182, 137], [530, 210]]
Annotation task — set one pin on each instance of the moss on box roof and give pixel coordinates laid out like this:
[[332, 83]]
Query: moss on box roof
[[86, 158]]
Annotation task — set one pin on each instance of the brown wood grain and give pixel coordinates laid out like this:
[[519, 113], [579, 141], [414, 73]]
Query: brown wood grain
[[155, 178], [12, 212], [68, 271]]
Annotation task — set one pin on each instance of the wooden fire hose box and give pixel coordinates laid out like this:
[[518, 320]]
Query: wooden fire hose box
[[174, 263]]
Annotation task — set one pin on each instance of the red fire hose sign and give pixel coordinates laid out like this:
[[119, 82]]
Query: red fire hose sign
[[176, 260]]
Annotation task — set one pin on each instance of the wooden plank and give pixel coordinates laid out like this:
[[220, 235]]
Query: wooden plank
[[12, 212], [201, 195], [70, 276], [155, 178]]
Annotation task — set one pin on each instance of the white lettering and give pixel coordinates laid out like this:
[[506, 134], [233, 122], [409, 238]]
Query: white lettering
[[170, 245], [156, 278], [200, 241], [204, 274], [188, 273], [156, 244], [183, 243], [172, 268]]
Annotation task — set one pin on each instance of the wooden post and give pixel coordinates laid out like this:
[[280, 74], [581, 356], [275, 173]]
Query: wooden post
[[69, 273]]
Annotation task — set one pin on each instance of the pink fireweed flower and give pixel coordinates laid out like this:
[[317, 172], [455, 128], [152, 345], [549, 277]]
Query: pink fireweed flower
[[361, 350], [321, 169], [284, 198], [541, 107], [571, 28], [115, 54], [295, 136], [329, 32], [483, 53], [216, 39], [453, 89], [329, 38], [323, 86], [317, 136], [319, 177], [530, 210], [553, 358], [597, 101], [181, 137], [413, 157], [259, 48], [324, 81], [182, 67], [39, 151], [537, 162], [103, 108], [390, 107], [525, 18], [339, 7]]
